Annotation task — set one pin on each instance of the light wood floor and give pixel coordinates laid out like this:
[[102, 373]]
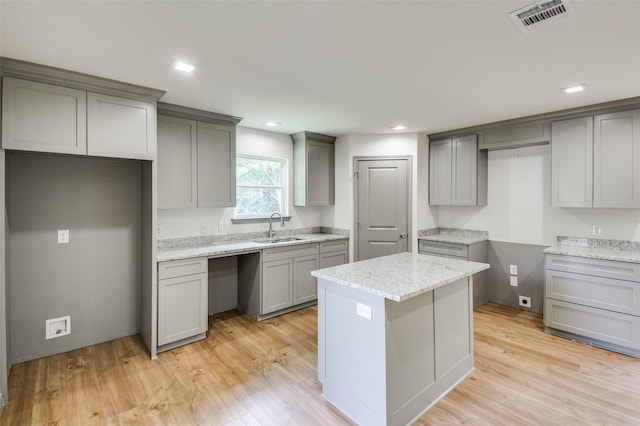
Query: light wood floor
[[248, 373]]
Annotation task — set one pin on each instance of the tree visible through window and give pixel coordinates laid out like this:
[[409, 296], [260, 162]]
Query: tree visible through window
[[260, 186]]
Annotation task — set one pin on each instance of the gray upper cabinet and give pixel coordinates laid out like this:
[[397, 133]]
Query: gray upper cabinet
[[516, 135], [121, 128], [457, 172], [595, 161], [616, 160], [177, 163], [313, 169], [216, 165], [42, 117], [572, 163], [196, 158]]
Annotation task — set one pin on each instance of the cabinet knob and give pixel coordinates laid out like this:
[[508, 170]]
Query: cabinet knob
[[403, 235]]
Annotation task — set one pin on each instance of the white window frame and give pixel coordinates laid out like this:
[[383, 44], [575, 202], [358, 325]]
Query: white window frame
[[284, 188]]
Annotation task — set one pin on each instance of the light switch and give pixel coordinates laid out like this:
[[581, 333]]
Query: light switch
[[63, 236], [513, 281], [513, 269]]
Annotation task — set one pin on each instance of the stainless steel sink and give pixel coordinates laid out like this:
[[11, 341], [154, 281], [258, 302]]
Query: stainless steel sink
[[277, 240]]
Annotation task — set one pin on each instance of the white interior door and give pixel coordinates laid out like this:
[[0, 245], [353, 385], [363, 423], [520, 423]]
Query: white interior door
[[382, 207]]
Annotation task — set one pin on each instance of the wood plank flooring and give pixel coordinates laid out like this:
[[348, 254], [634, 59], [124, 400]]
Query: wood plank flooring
[[248, 373]]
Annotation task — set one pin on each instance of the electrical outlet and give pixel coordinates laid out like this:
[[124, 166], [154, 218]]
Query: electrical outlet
[[513, 281], [63, 236], [223, 227], [205, 228], [513, 269], [363, 311], [57, 327], [596, 230], [160, 230], [524, 301]]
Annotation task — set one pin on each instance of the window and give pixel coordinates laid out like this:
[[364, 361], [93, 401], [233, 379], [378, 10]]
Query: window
[[261, 186]]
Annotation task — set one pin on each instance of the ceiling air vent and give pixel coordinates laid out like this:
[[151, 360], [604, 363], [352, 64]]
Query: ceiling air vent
[[542, 14]]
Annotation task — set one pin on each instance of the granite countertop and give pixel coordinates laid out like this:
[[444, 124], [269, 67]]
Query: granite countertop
[[399, 277], [231, 248], [596, 248], [453, 235]]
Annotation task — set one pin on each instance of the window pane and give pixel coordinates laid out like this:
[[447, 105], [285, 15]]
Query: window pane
[[258, 201], [258, 171]]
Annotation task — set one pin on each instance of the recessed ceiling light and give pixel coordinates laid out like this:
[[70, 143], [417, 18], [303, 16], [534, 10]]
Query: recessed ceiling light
[[399, 127], [271, 124], [181, 66], [574, 89]]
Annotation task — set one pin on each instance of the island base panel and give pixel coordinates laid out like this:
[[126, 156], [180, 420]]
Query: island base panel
[[390, 369]]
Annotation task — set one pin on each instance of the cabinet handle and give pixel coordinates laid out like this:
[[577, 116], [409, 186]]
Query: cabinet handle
[[403, 235]]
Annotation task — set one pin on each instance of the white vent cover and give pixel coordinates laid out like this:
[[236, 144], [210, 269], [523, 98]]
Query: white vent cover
[[542, 14]]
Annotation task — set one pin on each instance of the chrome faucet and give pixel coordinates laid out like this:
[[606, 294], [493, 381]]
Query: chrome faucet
[[272, 233]]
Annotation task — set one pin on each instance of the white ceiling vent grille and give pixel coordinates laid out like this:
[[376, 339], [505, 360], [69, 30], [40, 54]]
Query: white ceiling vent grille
[[542, 14]]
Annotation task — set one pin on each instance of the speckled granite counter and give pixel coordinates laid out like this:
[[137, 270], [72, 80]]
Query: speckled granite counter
[[400, 276], [239, 247], [453, 235], [596, 248]]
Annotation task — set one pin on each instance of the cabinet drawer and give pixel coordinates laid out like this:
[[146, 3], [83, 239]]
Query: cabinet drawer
[[606, 326], [438, 247], [597, 267], [329, 246], [289, 252], [179, 268], [605, 293]]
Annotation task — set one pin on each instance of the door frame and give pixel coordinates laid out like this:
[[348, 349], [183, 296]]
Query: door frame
[[409, 160]]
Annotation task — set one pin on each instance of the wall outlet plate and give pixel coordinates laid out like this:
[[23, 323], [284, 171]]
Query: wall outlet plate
[[63, 236], [596, 230], [57, 327], [524, 301], [363, 311], [513, 281], [513, 269]]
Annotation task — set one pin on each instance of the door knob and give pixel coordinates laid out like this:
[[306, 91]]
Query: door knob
[[403, 235]]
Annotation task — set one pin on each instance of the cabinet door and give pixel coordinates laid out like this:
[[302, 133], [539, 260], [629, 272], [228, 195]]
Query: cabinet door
[[305, 286], [121, 128], [572, 163], [182, 307], [277, 285], [336, 258], [440, 155], [177, 163], [45, 118], [616, 162], [464, 171], [216, 165], [320, 174]]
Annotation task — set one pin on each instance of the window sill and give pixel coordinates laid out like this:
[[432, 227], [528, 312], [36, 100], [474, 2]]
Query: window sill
[[242, 221]]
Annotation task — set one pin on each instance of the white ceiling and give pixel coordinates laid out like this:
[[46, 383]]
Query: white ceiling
[[340, 67]]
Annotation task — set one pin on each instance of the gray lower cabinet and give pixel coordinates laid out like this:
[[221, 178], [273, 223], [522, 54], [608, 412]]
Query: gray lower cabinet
[[595, 161], [286, 277], [476, 252], [48, 118], [593, 300], [182, 300], [334, 253], [457, 172], [196, 158]]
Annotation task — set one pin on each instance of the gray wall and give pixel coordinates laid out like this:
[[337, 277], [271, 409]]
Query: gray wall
[[94, 278], [530, 261]]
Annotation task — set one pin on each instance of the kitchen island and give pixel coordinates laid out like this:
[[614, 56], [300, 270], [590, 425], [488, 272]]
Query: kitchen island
[[395, 334]]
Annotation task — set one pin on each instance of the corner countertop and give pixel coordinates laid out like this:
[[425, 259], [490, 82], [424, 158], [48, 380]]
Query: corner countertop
[[231, 248], [596, 248], [399, 277], [453, 235]]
